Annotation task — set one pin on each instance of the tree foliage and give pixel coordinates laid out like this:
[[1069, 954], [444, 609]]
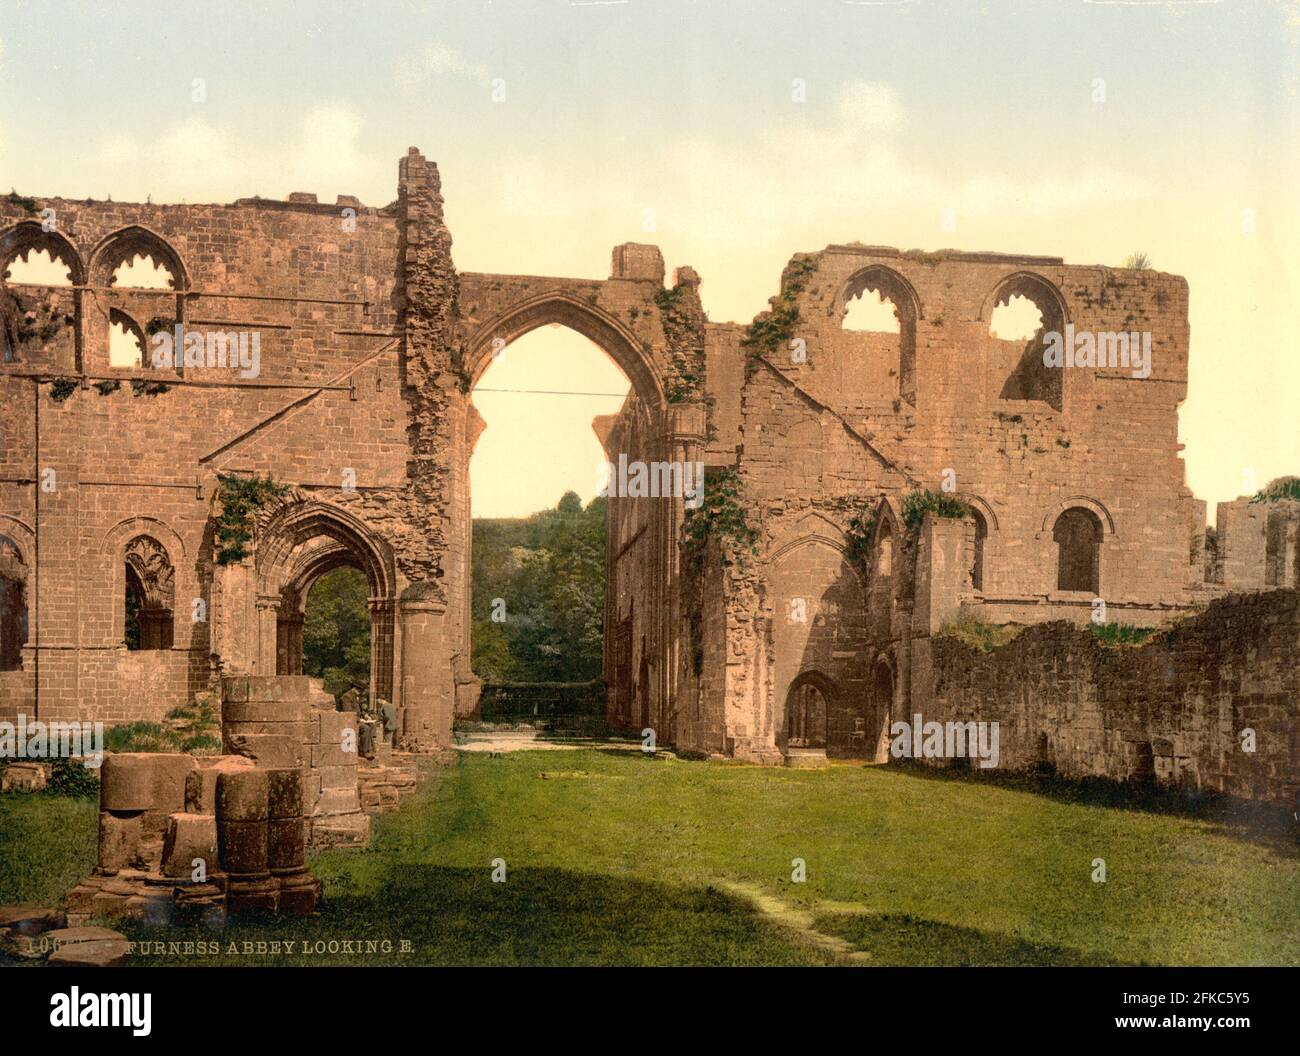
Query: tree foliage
[[336, 634], [539, 594]]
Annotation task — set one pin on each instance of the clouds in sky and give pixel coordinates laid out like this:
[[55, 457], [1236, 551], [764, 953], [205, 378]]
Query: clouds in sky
[[199, 159], [438, 60]]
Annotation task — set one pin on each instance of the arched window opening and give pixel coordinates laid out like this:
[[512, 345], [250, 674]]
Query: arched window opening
[[977, 560], [882, 304], [1016, 319], [150, 595], [1078, 539], [1025, 310], [885, 552], [126, 343], [805, 716], [38, 267], [143, 272], [13, 605], [873, 312], [33, 256]]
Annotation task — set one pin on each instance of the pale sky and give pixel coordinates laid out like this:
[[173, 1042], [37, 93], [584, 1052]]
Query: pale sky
[[1082, 130]]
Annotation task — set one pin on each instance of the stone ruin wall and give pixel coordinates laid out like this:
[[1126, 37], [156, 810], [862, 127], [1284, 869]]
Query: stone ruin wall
[[1172, 711], [129, 462], [385, 339]]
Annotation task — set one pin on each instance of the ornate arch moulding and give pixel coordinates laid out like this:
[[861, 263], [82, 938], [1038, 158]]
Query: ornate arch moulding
[[133, 241], [592, 322], [1083, 502], [29, 236]]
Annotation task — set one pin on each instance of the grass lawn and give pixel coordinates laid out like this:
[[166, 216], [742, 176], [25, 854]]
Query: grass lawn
[[47, 845], [612, 858]]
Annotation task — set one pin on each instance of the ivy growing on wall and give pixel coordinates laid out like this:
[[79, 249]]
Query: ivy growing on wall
[[682, 323], [772, 330], [721, 516], [62, 388], [240, 499], [858, 536]]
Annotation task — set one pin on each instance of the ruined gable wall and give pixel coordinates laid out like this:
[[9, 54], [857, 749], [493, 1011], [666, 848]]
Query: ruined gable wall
[[1115, 440], [129, 462]]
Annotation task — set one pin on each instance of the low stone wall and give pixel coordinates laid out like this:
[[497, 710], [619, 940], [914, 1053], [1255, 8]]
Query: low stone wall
[[1181, 709], [525, 701]]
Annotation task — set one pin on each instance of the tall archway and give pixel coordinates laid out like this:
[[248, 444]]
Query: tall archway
[[301, 542], [628, 416], [593, 323]]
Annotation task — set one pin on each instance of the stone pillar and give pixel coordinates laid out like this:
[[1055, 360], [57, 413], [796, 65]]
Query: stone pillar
[[268, 610], [683, 443], [427, 687], [941, 573], [288, 647], [381, 649]]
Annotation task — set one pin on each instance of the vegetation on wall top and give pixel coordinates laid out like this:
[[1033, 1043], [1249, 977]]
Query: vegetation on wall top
[[860, 532], [1284, 489], [682, 328], [771, 331], [918, 503]]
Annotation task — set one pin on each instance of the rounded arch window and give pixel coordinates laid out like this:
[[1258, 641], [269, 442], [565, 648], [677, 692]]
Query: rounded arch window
[[1078, 535]]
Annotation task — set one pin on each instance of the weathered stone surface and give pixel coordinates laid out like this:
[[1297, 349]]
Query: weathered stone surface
[[120, 840], [190, 837], [269, 751], [201, 784], [30, 920], [284, 793], [23, 777], [242, 846], [100, 953], [243, 795], [286, 844], [85, 947], [126, 782]]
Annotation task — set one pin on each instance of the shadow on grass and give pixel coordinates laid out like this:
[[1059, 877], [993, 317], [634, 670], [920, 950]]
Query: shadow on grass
[[905, 940], [538, 916], [1267, 825]]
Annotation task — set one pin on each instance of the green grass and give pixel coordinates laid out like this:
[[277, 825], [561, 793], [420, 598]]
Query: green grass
[[613, 858], [47, 845], [1117, 635]]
